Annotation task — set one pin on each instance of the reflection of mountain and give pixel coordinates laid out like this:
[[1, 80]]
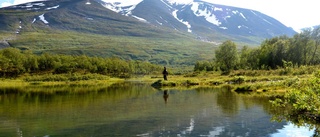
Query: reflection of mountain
[[131, 110]]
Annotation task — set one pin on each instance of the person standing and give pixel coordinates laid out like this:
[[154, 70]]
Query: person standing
[[165, 73]]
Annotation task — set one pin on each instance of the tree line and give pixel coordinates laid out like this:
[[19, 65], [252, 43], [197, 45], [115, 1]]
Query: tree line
[[15, 62], [300, 50]]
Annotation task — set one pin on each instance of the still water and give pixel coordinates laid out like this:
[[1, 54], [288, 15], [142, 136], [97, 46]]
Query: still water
[[133, 109]]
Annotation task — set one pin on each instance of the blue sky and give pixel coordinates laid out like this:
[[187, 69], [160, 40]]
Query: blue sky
[[293, 13]]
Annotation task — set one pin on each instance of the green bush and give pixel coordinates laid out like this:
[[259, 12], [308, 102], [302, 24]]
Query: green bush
[[65, 77], [305, 98], [238, 79], [14, 62]]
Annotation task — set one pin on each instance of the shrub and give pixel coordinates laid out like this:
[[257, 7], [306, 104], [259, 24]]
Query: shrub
[[238, 80]]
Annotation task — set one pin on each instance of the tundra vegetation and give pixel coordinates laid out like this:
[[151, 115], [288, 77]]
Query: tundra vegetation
[[297, 57], [282, 64]]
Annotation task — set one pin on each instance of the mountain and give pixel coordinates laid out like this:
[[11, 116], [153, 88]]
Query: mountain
[[205, 20], [159, 31]]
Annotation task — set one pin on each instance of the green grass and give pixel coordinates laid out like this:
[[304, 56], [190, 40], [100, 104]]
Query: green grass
[[239, 80], [108, 34], [166, 51], [261, 82], [42, 81]]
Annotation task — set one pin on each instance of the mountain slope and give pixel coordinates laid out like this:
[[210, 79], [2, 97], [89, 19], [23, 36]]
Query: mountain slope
[[77, 27], [80, 16], [158, 31], [208, 21]]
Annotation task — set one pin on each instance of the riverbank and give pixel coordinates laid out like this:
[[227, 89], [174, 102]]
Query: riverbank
[[291, 90], [240, 81], [267, 81], [40, 81]]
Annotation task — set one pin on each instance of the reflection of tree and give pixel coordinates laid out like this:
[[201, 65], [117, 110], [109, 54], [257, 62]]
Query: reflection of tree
[[228, 102], [253, 121], [250, 101], [316, 132], [297, 118], [69, 106]]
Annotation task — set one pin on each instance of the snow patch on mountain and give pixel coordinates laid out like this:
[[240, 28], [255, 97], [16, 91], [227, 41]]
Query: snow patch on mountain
[[128, 11], [38, 4], [179, 2], [19, 29], [243, 16], [239, 13], [112, 7], [164, 20], [158, 22], [141, 19], [31, 6], [267, 21], [166, 4], [54, 7], [218, 9], [174, 13], [253, 12], [43, 19], [119, 7], [235, 12], [34, 20], [223, 28], [123, 3], [207, 14], [226, 17], [123, 7]]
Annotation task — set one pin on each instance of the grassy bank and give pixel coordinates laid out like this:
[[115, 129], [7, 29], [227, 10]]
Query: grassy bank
[[240, 81], [59, 80]]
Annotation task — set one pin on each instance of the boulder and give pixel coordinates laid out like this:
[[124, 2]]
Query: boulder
[[4, 44]]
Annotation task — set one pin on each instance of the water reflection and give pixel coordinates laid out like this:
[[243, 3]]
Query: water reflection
[[165, 96], [228, 102], [133, 109], [291, 130], [297, 120]]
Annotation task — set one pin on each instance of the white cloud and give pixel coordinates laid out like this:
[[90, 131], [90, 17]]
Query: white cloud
[[5, 4], [293, 13], [24, 1], [15, 2]]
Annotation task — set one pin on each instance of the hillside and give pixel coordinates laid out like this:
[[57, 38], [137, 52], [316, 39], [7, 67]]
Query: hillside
[[135, 32], [206, 21]]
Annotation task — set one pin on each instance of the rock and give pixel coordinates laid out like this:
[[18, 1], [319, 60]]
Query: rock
[[4, 44]]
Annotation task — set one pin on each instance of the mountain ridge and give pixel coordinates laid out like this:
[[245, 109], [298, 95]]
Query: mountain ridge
[[207, 21], [212, 16], [154, 30]]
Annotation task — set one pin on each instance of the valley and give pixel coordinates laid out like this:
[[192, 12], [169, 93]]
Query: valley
[[168, 34], [93, 56]]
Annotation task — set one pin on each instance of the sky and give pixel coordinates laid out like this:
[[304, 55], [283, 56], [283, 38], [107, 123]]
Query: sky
[[292, 13], [297, 14]]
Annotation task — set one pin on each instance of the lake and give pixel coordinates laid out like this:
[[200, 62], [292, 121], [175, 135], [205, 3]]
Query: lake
[[137, 109]]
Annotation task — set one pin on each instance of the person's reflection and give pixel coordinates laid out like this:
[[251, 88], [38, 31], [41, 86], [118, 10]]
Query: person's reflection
[[165, 96]]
